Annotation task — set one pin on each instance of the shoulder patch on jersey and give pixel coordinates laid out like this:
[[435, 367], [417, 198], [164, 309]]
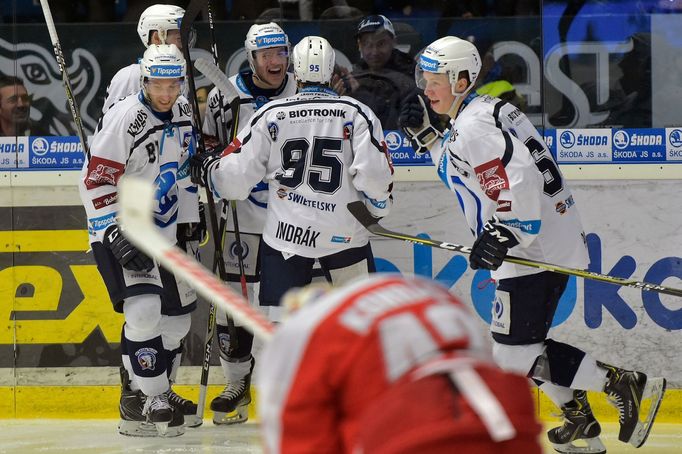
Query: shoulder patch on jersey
[[273, 129], [348, 130], [492, 177], [103, 172], [138, 123]]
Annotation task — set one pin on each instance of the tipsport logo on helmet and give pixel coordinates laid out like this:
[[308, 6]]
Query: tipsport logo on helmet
[[428, 64], [165, 71], [271, 40]]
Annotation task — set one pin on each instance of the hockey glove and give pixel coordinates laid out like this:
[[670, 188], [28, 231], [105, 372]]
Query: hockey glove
[[127, 255], [417, 125], [200, 166], [490, 248], [193, 231]]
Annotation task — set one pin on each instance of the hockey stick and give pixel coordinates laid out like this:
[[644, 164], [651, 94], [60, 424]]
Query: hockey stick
[[59, 55], [360, 212], [136, 202], [220, 80], [188, 19], [234, 107]]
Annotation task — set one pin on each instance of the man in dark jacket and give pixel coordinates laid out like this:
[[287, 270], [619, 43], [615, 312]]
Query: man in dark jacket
[[384, 76]]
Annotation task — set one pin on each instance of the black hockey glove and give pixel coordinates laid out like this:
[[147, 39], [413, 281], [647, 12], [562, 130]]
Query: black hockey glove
[[192, 231], [418, 125], [127, 255], [200, 166], [490, 248]]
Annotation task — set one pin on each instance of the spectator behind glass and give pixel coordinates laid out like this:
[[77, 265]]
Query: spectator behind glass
[[15, 109], [384, 76]]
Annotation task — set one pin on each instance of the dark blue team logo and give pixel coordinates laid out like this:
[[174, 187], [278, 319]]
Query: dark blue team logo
[[224, 342], [146, 358], [621, 139], [498, 307], [567, 139], [273, 129], [675, 138], [260, 101], [234, 252], [393, 140]]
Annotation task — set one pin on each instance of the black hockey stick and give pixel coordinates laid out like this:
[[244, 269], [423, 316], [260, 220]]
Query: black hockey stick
[[191, 13], [59, 55], [362, 214]]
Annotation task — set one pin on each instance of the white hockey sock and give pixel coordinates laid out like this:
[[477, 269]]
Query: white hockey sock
[[235, 371], [560, 395], [589, 376]]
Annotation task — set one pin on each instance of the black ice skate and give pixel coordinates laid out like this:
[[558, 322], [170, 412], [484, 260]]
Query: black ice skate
[[626, 390], [186, 407], [160, 413], [579, 425], [133, 423], [231, 406]]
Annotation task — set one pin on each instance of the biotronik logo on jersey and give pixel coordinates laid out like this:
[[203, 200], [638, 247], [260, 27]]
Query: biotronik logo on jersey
[[278, 39], [583, 145], [638, 145]]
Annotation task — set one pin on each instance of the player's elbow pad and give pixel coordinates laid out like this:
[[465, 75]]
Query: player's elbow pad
[[379, 208]]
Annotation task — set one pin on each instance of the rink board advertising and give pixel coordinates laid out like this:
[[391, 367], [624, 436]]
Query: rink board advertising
[[569, 146]]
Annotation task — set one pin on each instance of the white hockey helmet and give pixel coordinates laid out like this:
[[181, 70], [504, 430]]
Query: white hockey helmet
[[449, 55], [162, 61], [161, 18], [263, 36], [313, 58]]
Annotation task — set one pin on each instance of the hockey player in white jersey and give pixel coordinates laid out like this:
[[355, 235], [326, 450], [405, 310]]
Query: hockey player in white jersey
[[148, 135], [317, 151], [267, 79], [514, 197], [160, 24]]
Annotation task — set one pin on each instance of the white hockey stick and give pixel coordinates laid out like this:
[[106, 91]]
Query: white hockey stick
[[136, 201], [218, 78]]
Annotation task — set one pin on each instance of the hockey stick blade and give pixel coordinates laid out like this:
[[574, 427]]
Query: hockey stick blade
[[218, 78], [136, 202], [364, 217]]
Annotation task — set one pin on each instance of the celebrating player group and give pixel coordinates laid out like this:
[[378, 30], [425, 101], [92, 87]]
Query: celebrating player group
[[356, 355]]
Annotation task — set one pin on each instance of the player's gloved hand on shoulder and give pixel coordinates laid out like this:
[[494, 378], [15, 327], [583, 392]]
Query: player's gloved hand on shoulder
[[418, 125], [127, 255], [491, 246], [200, 166]]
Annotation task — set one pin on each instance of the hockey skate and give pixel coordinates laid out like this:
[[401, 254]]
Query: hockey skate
[[232, 405], [133, 423], [626, 390], [160, 414], [579, 425], [186, 407]]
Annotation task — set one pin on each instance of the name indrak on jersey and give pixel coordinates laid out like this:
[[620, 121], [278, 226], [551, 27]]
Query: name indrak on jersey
[[297, 235]]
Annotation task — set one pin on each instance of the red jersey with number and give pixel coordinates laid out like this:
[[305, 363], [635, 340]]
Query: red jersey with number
[[332, 358]]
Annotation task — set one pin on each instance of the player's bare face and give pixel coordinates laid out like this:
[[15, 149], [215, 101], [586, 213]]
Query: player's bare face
[[163, 93], [439, 92], [271, 66], [376, 49]]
